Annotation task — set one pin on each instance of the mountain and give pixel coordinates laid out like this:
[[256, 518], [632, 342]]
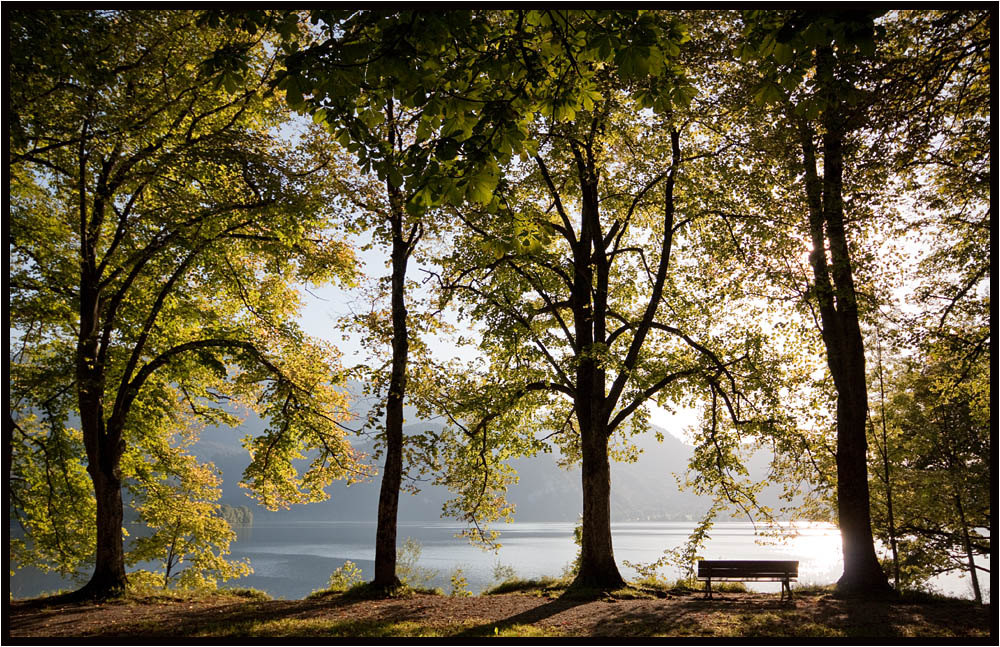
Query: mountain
[[644, 490]]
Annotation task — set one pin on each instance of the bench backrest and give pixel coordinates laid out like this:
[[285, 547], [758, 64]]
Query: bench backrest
[[748, 568]]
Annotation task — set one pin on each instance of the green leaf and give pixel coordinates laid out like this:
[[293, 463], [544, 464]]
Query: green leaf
[[769, 92], [447, 149], [480, 191], [783, 53], [293, 95]]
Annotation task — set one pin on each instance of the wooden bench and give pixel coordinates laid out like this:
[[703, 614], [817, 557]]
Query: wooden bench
[[756, 570]]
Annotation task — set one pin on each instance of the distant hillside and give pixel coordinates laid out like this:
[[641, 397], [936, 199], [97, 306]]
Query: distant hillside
[[644, 490]]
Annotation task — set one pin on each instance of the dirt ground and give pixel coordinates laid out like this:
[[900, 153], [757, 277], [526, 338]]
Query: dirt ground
[[732, 614]]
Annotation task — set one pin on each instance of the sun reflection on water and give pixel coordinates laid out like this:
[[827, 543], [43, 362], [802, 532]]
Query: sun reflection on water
[[817, 547]]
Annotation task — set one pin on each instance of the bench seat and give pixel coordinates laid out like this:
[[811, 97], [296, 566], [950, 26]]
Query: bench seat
[[756, 570]]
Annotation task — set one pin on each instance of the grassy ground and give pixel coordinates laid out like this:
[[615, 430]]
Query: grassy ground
[[543, 608]]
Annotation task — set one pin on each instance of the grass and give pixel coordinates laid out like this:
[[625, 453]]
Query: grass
[[155, 594], [546, 587], [318, 627], [516, 631], [246, 594], [919, 596], [143, 595], [552, 587], [817, 613], [365, 591], [812, 589], [771, 624], [661, 588]]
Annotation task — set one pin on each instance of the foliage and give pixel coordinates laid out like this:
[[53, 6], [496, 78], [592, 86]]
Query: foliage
[[236, 516], [583, 281], [905, 91], [345, 577], [503, 573], [143, 582], [407, 569], [147, 587], [684, 557], [175, 497], [473, 77], [573, 568], [937, 403], [459, 585], [613, 200], [939, 441], [158, 226], [50, 495]]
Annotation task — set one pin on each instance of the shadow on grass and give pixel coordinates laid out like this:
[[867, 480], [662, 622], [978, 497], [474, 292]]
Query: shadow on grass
[[644, 615], [529, 617], [308, 617]]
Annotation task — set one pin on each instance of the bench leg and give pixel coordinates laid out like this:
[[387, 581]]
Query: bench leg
[[708, 588]]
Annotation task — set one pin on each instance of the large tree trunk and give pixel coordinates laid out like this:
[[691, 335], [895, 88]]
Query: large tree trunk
[[862, 572], [392, 474], [843, 341], [597, 557], [846, 358], [109, 577], [103, 443], [103, 465]]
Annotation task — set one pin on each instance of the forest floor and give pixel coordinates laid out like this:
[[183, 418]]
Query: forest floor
[[735, 614]]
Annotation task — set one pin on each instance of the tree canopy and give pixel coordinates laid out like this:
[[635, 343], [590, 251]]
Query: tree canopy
[[157, 229]]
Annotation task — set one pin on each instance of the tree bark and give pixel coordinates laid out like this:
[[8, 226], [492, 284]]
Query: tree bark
[[103, 465], [862, 572], [843, 342], [968, 549], [392, 473], [103, 445], [109, 577], [388, 502], [597, 558], [886, 470]]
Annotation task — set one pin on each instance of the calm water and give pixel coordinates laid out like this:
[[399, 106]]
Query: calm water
[[291, 560]]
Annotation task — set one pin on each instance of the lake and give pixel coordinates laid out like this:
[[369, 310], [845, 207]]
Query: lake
[[531, 549], [292, 559]]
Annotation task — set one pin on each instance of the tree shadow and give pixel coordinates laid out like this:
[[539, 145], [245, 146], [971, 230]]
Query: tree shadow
[[529, 617], [248, 612]]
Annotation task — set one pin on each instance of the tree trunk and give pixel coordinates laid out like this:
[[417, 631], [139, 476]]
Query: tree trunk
[[842, 339], [890, 518], [597, 558], [103, 443], [862, 572], [388, 502], [392, 474], [846, 357], [109, 577], [968, 549]]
